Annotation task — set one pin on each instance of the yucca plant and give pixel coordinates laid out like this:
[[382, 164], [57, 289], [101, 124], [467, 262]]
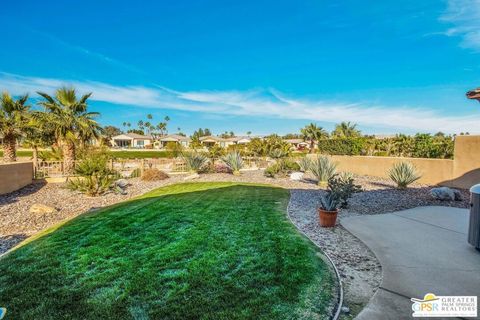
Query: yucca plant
[[234, 162], [329, 202], [304, 164], [323, 168], [403, 174], [195, 162]]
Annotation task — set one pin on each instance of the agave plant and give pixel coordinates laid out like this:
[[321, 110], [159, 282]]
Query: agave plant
[[195, 161], [403, 174], [323, 169], [329, 202], [304, 164], [234, 162]]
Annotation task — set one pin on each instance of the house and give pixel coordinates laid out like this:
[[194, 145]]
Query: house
[[210, 141], [298, 144], [239, 140], [131, 140], [176, 138]]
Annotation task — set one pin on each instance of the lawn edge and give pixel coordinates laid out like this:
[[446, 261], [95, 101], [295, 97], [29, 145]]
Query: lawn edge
[[339, 302]]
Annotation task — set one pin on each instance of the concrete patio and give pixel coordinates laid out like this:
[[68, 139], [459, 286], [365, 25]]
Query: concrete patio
[[421, 250]]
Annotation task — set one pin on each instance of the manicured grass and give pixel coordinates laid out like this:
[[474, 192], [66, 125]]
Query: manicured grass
[[22, 153], [187, 251]]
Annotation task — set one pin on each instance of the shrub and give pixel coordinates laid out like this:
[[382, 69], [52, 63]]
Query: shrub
[[288, 165], [234, 161], [175, 148], [304, 164], [343, 146], [272, 170], [220, 168], [195, 162], [94, 176], [154, 175], [342, 185], [136, 173], [403, 174], [323, 169]]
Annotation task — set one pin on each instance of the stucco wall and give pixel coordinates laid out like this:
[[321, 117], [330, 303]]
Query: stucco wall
[[14, 176], [461, 172]]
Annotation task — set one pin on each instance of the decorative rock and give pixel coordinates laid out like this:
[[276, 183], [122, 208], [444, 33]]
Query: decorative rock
[[39, 208], [121, 183], [192, 176], [443, 194], [345, 309], [296, 176], [458, 195]]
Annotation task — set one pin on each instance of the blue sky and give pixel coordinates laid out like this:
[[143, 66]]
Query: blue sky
[[260, 66]]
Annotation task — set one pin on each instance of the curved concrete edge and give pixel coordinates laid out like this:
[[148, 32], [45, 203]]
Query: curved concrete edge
[[338, 310]]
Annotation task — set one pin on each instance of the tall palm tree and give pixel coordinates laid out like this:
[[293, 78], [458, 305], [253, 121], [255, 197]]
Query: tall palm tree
[[70, 121], [13, 121], [38, 134], [313, 133], [346, 130]]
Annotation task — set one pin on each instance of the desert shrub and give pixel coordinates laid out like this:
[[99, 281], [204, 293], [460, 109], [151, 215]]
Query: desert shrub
[[343, 186], [403, 174], [195, 162], [288, 165], [304, 164], [323, 168], [94, 178], [272, 170], [175, 148], [137, 172], [154, 175], [234, 161]]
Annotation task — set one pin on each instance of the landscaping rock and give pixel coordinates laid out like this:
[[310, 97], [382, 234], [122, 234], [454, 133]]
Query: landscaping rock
[[296, 176], [345, 309], [121, 183], [39, 208], [458, 195], [443, 194], [192, 176]]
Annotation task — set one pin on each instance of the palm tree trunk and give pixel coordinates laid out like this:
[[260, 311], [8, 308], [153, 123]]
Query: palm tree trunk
[[9, 148], [312, 146], [68, 158]]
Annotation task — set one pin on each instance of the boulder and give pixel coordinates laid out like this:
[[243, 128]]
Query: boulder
[[296, 176], [39, 208], [443, 194], [121, 183], [192, 176], [458, 195]]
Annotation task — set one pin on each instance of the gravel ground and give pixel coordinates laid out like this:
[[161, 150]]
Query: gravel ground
[[359, 269]]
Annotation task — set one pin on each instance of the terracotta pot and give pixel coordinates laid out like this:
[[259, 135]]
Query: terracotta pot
[[327, 218]]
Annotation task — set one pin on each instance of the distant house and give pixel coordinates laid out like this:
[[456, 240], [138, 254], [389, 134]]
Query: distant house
[[176, 138], [131, 140], [210, 141], [298, 144], [239, 140]]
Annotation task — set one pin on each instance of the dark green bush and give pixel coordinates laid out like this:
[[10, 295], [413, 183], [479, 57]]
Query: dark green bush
[[343, 146]]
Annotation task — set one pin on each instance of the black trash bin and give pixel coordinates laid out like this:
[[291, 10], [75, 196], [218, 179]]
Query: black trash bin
[[474, 227]]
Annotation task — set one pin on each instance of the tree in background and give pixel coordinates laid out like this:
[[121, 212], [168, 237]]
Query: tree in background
[[313, 133], [197, 134], [346, 130], [14, 117], [70, 120], [38, 134], [109, 132]]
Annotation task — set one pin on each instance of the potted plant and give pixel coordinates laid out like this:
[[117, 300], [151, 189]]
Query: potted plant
[[328, 209]]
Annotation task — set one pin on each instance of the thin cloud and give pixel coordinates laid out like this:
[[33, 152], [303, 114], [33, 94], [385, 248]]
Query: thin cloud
[[262, 103], [464, 16]]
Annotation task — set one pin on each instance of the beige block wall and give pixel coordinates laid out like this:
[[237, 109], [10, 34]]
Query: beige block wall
[[14, 176], [466, 170], [434, 171]]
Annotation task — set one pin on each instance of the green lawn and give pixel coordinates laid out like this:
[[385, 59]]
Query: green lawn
[[187, 251]]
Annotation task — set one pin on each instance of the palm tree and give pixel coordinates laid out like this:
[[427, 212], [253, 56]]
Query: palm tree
[[38, 134], [13, 121], [313, 133], [149, 116], [70, 122], [346, 130]]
